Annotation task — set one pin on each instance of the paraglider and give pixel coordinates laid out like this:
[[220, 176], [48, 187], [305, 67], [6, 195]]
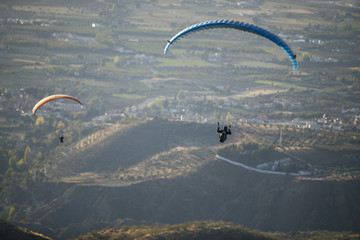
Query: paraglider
[[61, 138], [223, 133], [50, 98], [247, 27]]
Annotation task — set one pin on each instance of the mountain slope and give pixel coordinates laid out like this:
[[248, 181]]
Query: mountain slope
[[193, 230], [138, 151], [175, 179], [218, 192], [10, 231], [208, 230]]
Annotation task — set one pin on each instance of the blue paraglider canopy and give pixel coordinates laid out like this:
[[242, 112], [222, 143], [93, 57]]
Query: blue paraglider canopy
[[235, 25]]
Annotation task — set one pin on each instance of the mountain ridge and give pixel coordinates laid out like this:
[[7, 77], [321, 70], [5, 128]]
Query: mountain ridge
[[219, 192], [182, 181]]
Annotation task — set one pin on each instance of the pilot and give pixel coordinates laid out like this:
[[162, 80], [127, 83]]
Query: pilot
[[223, 133]]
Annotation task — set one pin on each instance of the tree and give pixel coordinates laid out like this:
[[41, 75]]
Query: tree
[[166, 103], [13, 161], [117, 60], [60, 125], [39, 121], [21, 164], [181, 95], [27, 155]]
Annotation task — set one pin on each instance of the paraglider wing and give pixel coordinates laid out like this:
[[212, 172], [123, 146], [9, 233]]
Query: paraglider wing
[[247, 27], [50, 98]]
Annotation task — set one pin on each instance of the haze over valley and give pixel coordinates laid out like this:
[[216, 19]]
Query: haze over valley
[[141, 158]]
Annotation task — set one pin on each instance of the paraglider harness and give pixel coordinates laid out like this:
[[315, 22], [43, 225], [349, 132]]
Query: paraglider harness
[[61, 138], [223, 133]]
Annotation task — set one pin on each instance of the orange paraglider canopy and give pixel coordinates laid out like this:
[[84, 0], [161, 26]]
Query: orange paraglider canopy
[[50, 98]]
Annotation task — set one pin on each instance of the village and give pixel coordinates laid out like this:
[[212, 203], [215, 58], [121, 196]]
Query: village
[[211, 109]]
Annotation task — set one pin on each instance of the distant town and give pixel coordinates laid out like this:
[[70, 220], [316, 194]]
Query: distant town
[[18, 103]]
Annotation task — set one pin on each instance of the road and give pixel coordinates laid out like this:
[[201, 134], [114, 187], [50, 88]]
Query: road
[[259, 170]]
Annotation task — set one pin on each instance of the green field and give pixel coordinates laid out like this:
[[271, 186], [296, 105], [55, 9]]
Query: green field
[[283, 84], [183, 62], [128, 96]]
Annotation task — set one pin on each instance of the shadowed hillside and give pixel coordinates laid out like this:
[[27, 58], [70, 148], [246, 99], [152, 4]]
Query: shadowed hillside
[[134, 145], [178, 179], [219, 192], [138, 151], [9, 231]]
